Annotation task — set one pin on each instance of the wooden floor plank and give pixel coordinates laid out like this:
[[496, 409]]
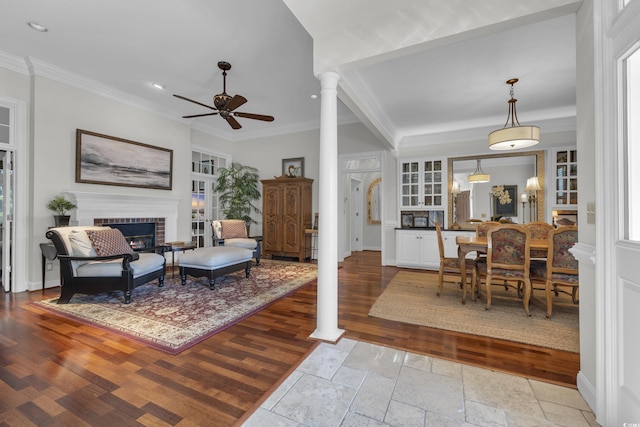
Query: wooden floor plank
[[58, 371]]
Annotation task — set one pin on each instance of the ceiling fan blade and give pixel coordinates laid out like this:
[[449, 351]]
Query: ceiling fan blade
[[199, 115], [195, 102], [233, 123], [254, 116], [235, 102]]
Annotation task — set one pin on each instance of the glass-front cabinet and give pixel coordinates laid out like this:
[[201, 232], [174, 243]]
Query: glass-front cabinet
[[204, 200], [423, 183], [566, 178]]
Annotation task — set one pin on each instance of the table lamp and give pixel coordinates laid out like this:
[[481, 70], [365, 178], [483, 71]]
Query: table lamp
[[455, 190]]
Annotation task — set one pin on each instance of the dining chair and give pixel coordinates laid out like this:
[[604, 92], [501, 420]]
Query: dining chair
[[561, 267], [451, 266], [507, 260], [539, 230], [483, 228]]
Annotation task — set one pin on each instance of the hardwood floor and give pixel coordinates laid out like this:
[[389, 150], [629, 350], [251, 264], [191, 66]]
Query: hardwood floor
[[55, 371]]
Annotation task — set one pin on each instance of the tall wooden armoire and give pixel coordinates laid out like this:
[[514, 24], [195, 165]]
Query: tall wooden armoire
[[286, 213]]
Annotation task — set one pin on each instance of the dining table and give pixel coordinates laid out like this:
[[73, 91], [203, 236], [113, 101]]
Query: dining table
[[478, 244]]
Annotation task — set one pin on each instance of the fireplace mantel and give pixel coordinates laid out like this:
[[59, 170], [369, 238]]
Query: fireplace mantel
[[108, 205]]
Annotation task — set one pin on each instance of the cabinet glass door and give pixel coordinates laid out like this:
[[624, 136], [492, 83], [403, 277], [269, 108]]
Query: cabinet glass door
[[409, 184], [566, 185], [432, 182]]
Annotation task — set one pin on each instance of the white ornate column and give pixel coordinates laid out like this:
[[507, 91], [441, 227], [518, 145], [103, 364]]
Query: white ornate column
[[327, 311]]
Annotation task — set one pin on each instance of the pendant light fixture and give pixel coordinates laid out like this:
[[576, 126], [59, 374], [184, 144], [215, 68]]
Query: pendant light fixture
[[514, 136], [478, 176]]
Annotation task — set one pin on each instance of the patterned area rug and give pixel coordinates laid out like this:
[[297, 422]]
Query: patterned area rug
[[411, 297], [175, 317]]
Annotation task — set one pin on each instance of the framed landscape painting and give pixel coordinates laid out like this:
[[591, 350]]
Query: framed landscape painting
[[107, 160]]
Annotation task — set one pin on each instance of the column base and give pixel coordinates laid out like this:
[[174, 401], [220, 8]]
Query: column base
[[331, 336]]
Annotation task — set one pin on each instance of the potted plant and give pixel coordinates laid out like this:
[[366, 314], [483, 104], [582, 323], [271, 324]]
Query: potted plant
[[60, 206], [238, 188]]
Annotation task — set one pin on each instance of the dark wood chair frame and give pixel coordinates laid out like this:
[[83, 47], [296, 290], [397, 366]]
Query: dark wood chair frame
[[70, 284]]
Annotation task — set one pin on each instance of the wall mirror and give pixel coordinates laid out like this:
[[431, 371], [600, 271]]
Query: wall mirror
[[511, 170], [373, 202]]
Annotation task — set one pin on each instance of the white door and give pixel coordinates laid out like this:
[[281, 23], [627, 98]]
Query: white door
[[357, 225], [6, 218], [204, 209], [619, 393]]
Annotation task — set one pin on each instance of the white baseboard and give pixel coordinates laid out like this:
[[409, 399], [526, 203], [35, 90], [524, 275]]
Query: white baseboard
[[587, 391]]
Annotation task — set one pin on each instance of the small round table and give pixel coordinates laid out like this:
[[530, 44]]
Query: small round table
[[179, 247]]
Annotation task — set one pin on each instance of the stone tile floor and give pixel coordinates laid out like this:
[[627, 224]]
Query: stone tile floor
[[353, 383]]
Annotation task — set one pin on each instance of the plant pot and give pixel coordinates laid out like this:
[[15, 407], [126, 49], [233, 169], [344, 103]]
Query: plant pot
[[61, 220]]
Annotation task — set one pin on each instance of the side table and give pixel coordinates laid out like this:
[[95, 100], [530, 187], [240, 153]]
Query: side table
[[179, 247], [48, 253]]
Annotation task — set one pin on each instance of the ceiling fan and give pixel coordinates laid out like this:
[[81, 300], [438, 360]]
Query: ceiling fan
[[226, 104]]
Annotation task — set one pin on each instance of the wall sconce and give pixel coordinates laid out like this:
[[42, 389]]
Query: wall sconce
[[478, 176], [514, 136], [533, 186], [455, 190]]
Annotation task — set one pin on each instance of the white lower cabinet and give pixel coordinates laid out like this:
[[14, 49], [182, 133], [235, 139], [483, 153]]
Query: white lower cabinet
[[419, 248]]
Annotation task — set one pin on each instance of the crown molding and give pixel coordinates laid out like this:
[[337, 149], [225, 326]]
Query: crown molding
[[13, 63]]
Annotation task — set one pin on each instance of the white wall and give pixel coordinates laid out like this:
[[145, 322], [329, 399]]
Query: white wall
[[57, 110]]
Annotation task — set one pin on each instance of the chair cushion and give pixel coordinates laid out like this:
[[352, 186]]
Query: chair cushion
[[242, 243], [109, 241], [147, 263], [233, 229]]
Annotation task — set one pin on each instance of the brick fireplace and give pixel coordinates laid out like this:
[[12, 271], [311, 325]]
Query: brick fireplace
[[135, 230]]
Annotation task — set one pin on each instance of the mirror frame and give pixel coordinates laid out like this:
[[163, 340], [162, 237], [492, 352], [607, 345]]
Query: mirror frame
[[373, 185], [540, 161]]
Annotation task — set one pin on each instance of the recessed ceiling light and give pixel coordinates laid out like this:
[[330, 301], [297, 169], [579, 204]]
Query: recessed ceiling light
[[157, 86], [314, 96], [37, 27]]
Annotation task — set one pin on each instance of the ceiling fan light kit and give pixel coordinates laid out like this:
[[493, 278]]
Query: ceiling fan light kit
[[515, 136], [225, 104]]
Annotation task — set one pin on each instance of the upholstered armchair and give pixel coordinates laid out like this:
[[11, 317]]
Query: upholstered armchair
[[233, 232], [99, 259]]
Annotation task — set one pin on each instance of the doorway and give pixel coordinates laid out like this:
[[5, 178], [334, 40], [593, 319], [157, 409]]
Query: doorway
[[357, 172], [355, 214], [6, 219]]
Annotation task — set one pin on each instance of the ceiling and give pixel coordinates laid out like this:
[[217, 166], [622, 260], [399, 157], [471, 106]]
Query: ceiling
[[414, 71]]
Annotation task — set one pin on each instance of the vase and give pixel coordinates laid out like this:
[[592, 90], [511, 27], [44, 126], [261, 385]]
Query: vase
[[61, 220]]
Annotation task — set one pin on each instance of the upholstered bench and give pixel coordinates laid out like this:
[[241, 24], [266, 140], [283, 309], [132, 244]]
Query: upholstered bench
[[214, 262]]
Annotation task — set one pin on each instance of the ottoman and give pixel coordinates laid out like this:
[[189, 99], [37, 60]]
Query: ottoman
[[214, 262]]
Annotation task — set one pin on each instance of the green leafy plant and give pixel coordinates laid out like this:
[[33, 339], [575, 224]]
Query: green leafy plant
[[238, 188], [60, 205]]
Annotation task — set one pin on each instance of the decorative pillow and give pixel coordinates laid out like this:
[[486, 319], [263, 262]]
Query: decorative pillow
[[80, 244], [217, 229], [234, 229], [109, 241]]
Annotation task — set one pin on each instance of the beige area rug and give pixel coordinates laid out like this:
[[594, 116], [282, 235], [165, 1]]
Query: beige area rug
[[411, 297], [175, 317]]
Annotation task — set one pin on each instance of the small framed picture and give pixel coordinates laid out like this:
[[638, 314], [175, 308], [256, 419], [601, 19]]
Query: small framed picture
[[419, 221], [407, 220], [293, 167]]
